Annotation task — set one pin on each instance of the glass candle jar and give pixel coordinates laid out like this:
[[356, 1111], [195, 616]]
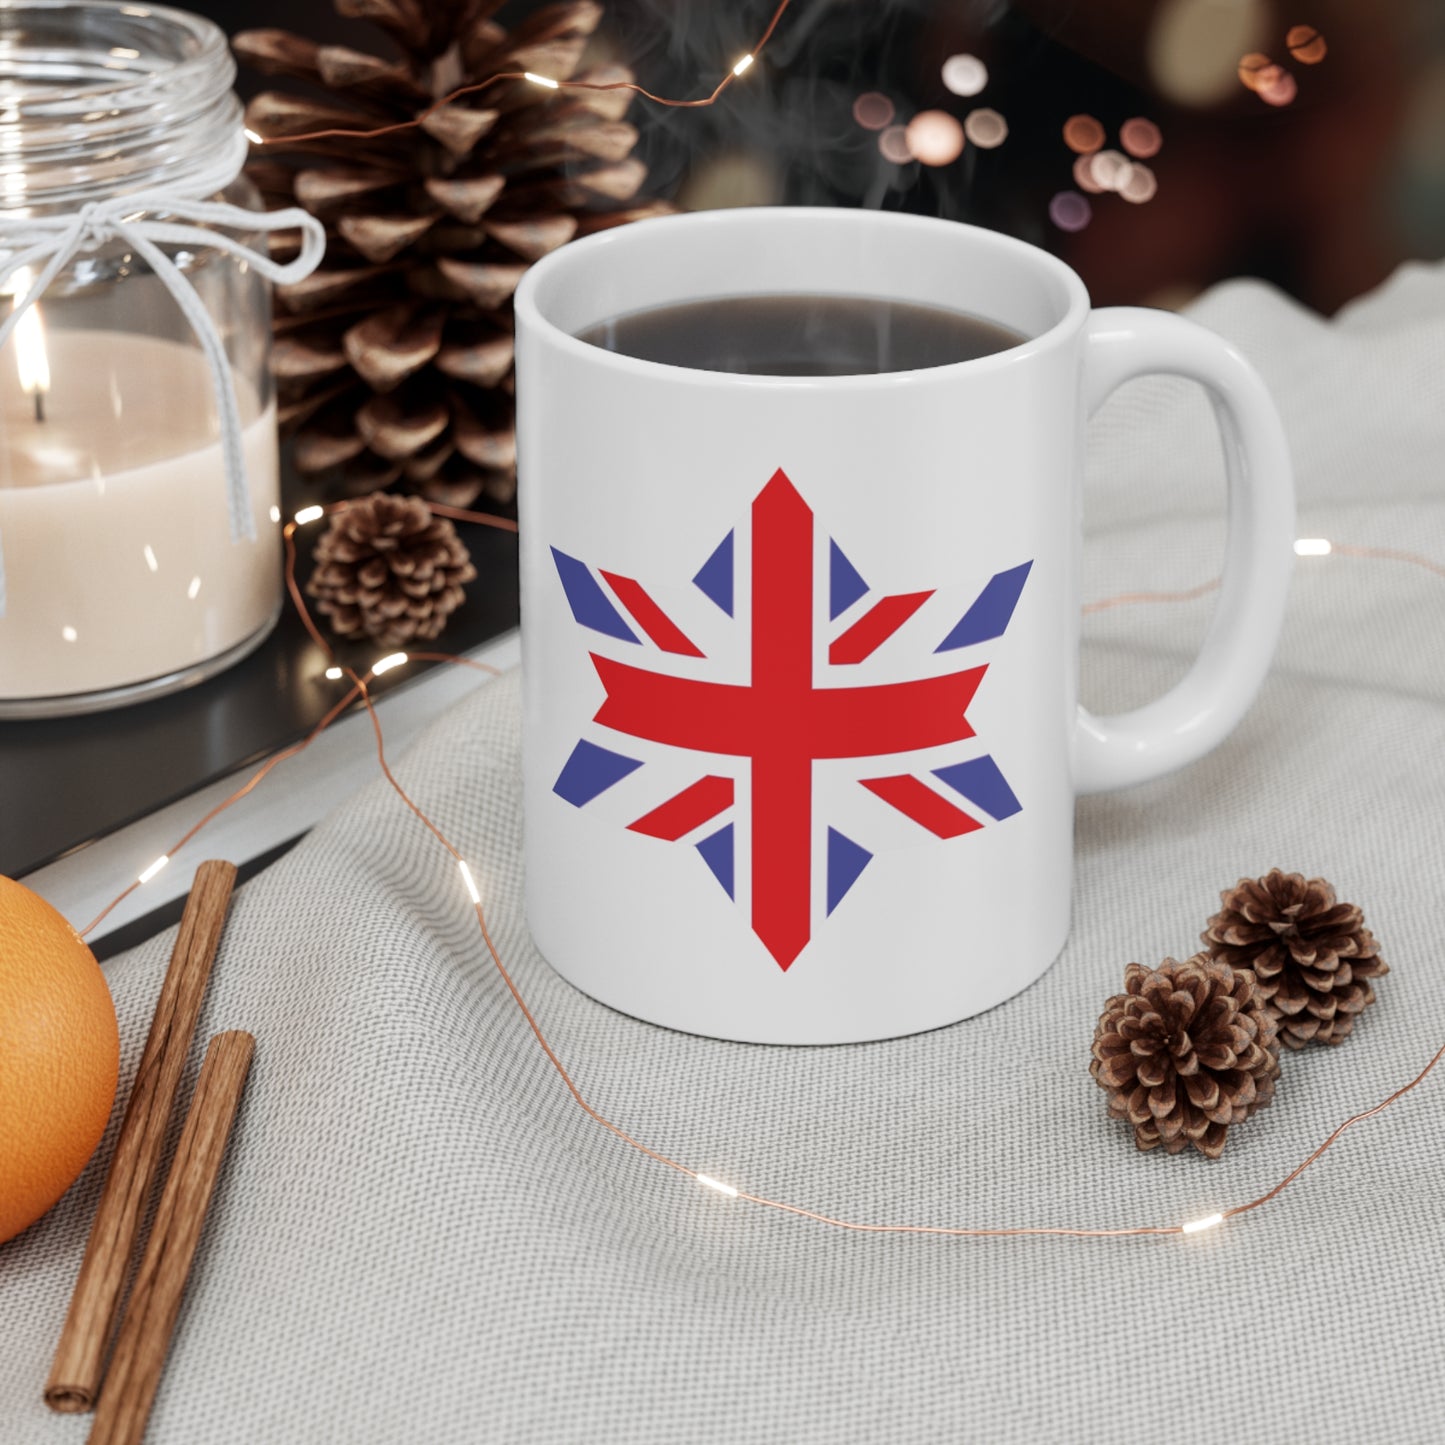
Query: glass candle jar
[[128, 568]]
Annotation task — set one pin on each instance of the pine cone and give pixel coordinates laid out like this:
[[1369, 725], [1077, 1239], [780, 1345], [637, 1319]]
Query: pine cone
[[388, 570], [394, 360], [1312, 956], [1185, 1051]]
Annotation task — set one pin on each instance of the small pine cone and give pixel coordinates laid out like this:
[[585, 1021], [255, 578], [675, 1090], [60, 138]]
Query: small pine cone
[[1185, 1051], [387, 569], [1312, 956]]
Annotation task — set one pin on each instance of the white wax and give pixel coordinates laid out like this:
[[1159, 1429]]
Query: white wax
[[113, 518]]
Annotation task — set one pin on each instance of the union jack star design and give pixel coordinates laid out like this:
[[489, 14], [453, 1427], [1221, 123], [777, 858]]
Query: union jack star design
[[755, 816]]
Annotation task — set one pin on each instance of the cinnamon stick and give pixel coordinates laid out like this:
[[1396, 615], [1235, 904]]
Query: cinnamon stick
[[155, 1298], [79, 1362]]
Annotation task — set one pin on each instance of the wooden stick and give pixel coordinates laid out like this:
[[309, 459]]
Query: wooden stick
[[79, 1362], [155, 1298]]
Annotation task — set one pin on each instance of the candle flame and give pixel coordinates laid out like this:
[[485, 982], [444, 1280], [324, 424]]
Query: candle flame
[[31, 359]]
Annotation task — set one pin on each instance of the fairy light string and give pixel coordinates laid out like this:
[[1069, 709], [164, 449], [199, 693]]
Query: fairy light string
[[546, 82], [360, 691]]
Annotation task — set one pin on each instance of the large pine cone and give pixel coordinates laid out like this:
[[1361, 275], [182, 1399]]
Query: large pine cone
[[394, 360], [388, 570], [1185, 1051], [1313, 956]]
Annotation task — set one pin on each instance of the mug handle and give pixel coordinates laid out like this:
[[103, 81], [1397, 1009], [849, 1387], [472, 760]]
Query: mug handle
[[1202, 709]]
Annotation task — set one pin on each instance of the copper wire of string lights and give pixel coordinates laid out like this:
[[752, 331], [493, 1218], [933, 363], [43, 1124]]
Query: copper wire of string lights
[[1304, 547], [359, 689], [546, 82]]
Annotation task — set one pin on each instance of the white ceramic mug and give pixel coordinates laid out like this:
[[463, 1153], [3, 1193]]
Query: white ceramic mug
[[800, 654]]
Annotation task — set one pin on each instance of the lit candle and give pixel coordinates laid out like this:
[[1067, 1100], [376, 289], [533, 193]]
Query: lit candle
[[113, 515], [31, 360]]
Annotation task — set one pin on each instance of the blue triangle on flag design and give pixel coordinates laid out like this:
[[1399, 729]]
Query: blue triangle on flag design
[[845, 586], [591, 770], [989, 616], [587, 600], [717, 853], [715, 577], [981, 782], [846, 860]]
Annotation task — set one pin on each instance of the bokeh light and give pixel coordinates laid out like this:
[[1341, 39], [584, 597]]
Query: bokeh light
[[1083, 134], [1070, 211], [893, 142], [965, 74], [873, 111], [1084, 175], [1110, 170], [1252, 66], [934, 137], [1140, 185], [1194, 46], [1306, 44], [1140, 137], [1278, 87], [985, 128]]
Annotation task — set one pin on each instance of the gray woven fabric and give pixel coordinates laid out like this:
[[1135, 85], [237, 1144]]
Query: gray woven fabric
[[419, 1237]]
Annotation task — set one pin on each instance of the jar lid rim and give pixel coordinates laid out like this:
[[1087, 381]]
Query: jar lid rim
[[207, 46]]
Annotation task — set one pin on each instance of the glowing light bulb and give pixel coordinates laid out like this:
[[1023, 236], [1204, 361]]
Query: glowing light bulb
[[985, 128], [893, 143], [1141, 138], [154, 868], [275, 513], [964, 74], [742, 64], [542, 80], [385, 664], [872, 110], [1070, 211], [934, 137], [1306, 44], [309, 514], [332, 674], [709, 1182], [1313, 547], [469, 880], [1196, 1225], [1083, 134], [256, 140]]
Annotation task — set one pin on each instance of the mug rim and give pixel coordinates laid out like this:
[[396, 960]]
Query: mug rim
[[590, 249]]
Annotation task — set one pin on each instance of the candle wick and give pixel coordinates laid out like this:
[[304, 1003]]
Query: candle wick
[[39, 404]]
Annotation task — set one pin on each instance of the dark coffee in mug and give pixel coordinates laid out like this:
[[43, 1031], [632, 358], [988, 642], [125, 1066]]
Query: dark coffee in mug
[[801, 335]]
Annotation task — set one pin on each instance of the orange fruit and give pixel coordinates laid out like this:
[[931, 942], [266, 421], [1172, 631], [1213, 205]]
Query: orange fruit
[[59, 1056]]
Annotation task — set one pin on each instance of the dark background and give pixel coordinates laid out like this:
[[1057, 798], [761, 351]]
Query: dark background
[[1323, 196]]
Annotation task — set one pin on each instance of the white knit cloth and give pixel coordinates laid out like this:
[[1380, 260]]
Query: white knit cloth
[[418, 1236]]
